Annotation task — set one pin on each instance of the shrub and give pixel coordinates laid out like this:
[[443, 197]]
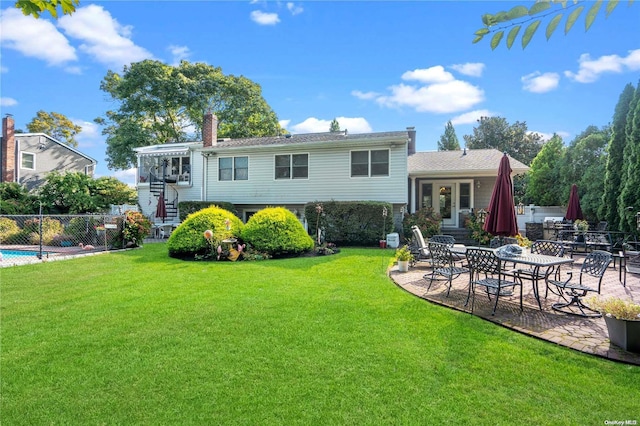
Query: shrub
[[50, 228], [188, 240], [476, 232], [276, 231], [188, 207], [82, 228], [427, 219], [350, 223], [8, 229], [136, 227]]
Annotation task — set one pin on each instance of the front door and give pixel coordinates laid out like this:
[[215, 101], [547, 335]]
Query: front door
[[447, 204]]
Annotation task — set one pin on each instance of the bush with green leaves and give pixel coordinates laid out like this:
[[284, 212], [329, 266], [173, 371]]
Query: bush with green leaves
[[188, 240], [427, 219], [136, 226], [50, 228], [476, 230], [278, 232], [187, 207], [350, 223], [82, 229], [8, 229]]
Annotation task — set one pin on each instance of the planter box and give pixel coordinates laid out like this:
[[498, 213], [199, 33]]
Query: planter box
[[623, 333]]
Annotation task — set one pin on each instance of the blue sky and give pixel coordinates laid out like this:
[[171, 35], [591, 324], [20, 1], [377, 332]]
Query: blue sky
[[374, 65]]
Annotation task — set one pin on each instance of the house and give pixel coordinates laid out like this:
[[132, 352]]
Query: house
[[293, 170], [26, 158], [455, 182]]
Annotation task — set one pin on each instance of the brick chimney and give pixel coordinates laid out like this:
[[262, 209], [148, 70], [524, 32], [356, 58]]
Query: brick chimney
[[411, 149], [209, 129], [8, 152]]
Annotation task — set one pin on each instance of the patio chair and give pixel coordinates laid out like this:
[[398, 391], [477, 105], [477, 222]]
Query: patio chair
[[548, 248], [450, 241], [418, 247], [485, 270], [443, 262], [631, 263], [594, 266]]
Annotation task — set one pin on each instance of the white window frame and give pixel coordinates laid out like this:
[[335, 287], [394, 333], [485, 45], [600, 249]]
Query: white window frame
[[234, 168], [369, 163], [33, 155], [290, 175]]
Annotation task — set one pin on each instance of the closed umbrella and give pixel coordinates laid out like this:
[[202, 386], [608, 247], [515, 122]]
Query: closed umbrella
[[501, 217], [161, 208], [574, 211]]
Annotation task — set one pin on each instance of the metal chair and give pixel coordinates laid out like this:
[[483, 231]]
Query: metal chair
[[630, 262], [443, 239], [485, 270], [501, 241], [548, 248], [443, 262], [594, 266]]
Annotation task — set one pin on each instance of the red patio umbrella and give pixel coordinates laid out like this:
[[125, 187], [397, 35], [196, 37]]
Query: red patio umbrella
[[573, 209], [161, 208], [501, 217]]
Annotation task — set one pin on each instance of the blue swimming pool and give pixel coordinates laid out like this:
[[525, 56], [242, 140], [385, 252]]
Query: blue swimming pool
[[20, 253]]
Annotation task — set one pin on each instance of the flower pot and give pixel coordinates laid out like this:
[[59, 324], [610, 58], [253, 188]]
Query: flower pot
[[403, 265], [624, 333], [383, 243]]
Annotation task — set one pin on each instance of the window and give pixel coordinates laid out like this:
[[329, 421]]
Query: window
[[427, 195], [294, 166], [233, 168], [465, 196], [377, 159], [88, 170], [28, 160]]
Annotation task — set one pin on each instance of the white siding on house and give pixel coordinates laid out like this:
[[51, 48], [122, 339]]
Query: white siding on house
[[329, 178]]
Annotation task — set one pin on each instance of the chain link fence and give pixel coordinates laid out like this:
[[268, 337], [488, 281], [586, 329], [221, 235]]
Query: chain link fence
[[29, 238]]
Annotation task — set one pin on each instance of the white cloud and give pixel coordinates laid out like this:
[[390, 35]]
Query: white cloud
[[294, 9], [126, 176], [438, 91], [284, 123], [435, 74], [3, 69], [315, 125], [178, 53], [7, 102], [537, 82], [103, 37], [471, 117], [263, 18], [448, 97], [27, 35], [90, 136], [473, 69], [546, 136], [589, 70], [365, 95]]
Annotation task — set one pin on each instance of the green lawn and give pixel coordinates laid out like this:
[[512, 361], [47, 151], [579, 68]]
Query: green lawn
[[137, 337]]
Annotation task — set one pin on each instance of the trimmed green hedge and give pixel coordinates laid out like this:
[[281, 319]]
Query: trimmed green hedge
[[351, 223], [188, 239], [276, 231], [187, 207]]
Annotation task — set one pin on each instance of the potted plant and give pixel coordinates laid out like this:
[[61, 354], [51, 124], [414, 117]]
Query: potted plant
[[581, 227], [403, 256], [623, 321]]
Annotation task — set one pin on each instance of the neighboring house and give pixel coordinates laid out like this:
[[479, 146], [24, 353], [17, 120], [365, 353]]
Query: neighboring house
[[292, 170], [455, 182], [26, 158]]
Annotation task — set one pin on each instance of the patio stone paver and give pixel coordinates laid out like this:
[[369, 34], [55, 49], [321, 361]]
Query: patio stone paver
[[587, 335]]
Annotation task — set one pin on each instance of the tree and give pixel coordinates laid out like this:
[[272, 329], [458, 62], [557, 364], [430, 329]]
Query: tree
[[630, 181], [75, 192], [159, 103], [16, 199], [495, 132], [37, 7], [609, 206], [335, 126], [554, 12], [543, 188], [55, 125], [448, 141]]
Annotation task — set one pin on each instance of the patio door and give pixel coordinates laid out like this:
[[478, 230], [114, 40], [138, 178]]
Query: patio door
[[447, 204]]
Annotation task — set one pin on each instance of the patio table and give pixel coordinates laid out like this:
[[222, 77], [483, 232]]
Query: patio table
[[537, 261]]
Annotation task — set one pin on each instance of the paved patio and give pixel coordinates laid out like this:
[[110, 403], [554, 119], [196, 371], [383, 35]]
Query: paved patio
[[582, 334]]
